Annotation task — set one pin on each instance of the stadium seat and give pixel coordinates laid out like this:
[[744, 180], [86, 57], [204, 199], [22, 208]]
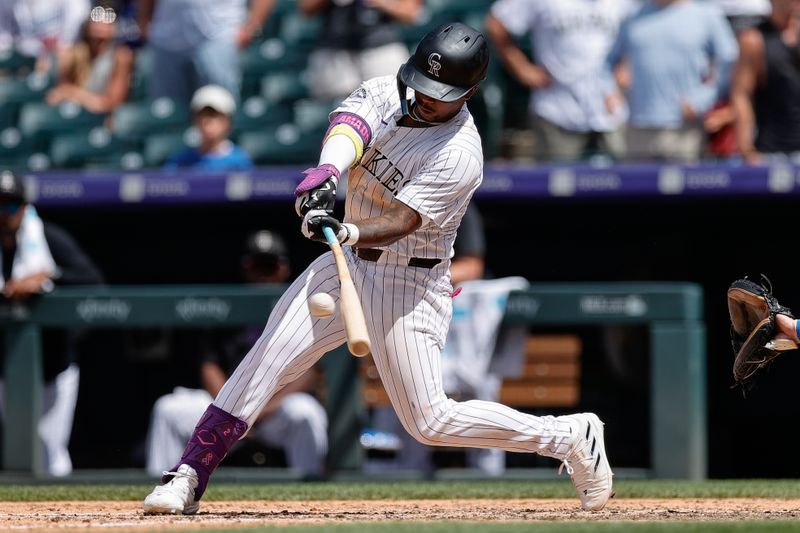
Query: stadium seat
[[39, 120], [300, 31], [270, 55], [458, 6], [8, 113], [256, 113], [311, 116], [97, 148], [17, 91], [13, 63], [273, 23], [134, 120], [142, 68], [284, 86], [159, 147], [286, 144], [15, 148]]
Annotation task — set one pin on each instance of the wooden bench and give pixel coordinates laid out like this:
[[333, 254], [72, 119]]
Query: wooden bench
[[550, 376]]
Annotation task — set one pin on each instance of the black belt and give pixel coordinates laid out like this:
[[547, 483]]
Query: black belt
[[373, 254]]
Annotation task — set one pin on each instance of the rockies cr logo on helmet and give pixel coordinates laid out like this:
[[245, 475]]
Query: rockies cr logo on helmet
[[434, 64], [448, 62]]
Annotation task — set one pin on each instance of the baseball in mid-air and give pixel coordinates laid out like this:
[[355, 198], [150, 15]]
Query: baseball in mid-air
[[321, 305]]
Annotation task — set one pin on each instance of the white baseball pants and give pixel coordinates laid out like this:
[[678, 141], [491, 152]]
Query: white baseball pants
[[407, 310]]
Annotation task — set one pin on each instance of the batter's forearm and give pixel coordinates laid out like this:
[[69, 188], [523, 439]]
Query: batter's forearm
[[396, 223]]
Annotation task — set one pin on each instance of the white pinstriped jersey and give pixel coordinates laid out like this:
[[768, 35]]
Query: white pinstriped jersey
[[407, 308], [433, 170]]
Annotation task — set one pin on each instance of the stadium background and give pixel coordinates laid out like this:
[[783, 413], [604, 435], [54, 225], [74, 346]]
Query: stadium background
[[709, 239]]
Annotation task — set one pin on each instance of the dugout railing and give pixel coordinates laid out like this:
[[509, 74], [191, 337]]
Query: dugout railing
[[671, 311]]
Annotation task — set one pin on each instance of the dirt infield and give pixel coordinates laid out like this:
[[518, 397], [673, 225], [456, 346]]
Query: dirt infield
[[124, 515]]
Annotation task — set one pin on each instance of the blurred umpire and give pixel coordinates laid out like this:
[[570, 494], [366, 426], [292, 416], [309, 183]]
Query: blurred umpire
[[36, 257]]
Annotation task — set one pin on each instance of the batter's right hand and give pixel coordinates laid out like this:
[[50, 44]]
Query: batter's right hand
[[323, 198], [317, 190]]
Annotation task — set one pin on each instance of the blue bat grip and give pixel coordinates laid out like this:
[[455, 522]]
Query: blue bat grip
[[329, 235]]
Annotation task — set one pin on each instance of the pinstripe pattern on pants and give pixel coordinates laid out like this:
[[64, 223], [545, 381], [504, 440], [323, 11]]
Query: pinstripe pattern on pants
[[291, 343], [408, 312]]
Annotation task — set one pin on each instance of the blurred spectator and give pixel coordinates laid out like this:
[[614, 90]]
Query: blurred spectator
[[743, 14], [719, 121], [680, 54], [128, 31], [293, 419], [36, 257], [96, 72], [41, 28], [212, 112], [766, 85], [359, 40], [570, 40], [197, 42]]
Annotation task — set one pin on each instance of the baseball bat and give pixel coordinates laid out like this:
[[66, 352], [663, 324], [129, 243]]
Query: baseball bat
[[355, 326]]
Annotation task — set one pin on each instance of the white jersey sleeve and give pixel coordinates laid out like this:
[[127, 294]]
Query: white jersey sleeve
[[368, 102]]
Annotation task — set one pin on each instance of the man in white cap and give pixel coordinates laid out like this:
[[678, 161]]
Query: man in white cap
[[212, 112]]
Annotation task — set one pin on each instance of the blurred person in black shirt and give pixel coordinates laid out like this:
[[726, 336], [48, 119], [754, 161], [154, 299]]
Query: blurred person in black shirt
[[766, 85], [38, 256], [359, 40]]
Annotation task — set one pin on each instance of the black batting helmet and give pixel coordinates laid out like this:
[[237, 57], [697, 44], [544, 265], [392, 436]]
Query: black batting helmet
[[449, 61]]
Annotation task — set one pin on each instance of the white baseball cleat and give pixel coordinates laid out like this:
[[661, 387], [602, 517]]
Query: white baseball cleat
[[587, 463], [175, 496]]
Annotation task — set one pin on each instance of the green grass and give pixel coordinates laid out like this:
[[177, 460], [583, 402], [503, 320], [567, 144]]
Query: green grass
[[405, 490]]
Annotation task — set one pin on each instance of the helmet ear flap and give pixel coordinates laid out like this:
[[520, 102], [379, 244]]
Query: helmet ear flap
[[402, 91]]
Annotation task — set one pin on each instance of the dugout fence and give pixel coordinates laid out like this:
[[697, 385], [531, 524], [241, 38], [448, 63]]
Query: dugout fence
[[671, 311]]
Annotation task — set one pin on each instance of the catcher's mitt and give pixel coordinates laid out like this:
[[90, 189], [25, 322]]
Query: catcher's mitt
[[752, 309]]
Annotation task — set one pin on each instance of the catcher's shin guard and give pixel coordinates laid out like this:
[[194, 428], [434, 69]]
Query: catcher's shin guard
[[213, 436]]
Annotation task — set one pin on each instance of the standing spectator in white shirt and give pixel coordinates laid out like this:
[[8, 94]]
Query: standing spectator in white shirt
[[41, 28], [570, 40]]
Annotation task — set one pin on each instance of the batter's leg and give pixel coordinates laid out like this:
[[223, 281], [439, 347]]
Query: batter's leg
[[407, 354], [291, 343]]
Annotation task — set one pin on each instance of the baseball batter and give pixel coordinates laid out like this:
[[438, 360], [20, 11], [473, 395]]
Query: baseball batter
[[414, 158]]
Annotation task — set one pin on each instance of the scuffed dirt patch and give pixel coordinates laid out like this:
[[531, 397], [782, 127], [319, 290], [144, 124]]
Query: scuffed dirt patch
[[120, 516]]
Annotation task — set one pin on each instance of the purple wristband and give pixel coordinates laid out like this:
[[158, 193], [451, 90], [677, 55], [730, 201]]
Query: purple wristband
[[797, 328]]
